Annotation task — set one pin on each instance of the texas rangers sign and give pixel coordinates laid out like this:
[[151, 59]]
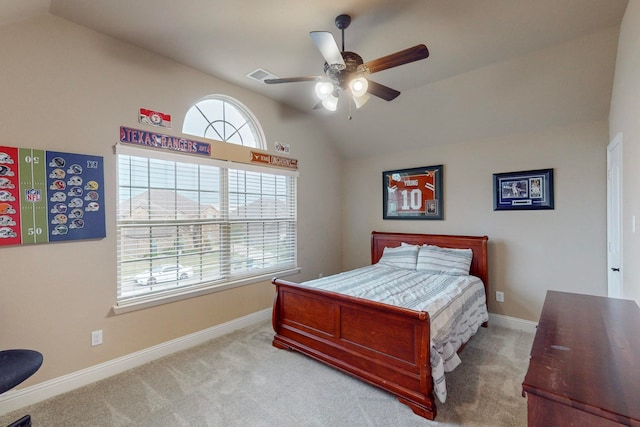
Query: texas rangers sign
[[164, 142]]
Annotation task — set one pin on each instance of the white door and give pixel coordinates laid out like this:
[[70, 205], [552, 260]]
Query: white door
[[614, 217]]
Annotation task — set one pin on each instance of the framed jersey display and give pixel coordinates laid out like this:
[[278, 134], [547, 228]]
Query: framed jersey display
[[413, 193]]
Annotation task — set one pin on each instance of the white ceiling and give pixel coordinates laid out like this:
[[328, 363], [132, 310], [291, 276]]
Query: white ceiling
[[231, 38]]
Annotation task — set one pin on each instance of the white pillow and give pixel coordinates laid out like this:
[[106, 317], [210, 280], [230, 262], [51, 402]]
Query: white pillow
[[437, 260], [401, 257], [409, 244]]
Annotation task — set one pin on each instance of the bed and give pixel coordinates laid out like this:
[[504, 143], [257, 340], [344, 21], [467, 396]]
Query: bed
[[385, 345]]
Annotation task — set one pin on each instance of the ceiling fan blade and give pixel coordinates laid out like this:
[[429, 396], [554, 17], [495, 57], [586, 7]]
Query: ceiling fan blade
[[406, 56], [327, 46], [382, 91], [293, 79]]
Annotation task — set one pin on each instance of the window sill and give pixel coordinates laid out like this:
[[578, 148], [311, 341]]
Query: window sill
[[153, 301]]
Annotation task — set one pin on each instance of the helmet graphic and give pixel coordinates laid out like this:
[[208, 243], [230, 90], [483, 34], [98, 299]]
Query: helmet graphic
[[91, 185], [5, 158], [76, 213], [76, 203], [92, 207], [5, 196], [58, 196], [6, 208], [57, 162], [57, 173], [59, 219], [75, 169], [59, 208], [75, 191], [77, 223], [5, 183], [58, 184], [92, 195], [7, 233], [60, 230], [6, 220], [75, 180], [5, 171]]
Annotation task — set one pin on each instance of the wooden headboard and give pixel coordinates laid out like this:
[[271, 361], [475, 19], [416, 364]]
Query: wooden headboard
[[478, 244]]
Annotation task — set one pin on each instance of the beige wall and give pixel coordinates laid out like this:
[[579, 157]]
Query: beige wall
[[69, 89], [529, 251], [625, 119]]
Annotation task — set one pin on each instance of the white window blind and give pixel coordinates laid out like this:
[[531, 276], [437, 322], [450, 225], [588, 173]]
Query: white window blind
[[186, 223]]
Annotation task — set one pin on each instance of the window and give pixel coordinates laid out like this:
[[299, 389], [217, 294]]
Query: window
[[188, 224], [224, 119]]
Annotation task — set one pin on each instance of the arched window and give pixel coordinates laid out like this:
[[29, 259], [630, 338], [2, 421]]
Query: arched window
[[223, 118], [189, 225]]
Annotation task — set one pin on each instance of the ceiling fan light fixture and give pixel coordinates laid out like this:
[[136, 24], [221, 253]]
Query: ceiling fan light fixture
[[346, 71], [324, 89], [359, 86], [330, 102], [361, 100]]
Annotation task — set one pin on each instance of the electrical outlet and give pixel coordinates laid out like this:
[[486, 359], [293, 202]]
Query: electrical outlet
[[499, 296], [96, 338]]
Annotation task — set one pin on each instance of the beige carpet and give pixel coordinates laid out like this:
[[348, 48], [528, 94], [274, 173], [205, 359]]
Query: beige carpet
[[241, 380]]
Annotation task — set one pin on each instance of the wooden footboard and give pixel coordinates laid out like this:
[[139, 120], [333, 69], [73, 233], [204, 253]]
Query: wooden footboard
[[383, 345]]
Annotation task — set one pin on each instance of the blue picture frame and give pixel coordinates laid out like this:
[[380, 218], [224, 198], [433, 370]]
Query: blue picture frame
[[524, 190]]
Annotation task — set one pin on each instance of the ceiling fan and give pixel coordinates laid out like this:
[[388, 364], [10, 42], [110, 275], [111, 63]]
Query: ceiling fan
[[346, 71]]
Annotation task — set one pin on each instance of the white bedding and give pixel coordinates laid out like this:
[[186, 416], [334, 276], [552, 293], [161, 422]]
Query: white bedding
[[456, 306]]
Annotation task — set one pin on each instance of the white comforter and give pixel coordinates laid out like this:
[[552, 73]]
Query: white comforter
[[456, 306]]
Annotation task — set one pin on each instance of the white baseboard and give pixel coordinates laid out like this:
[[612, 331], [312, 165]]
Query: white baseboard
[[17, 399], [512, 322]]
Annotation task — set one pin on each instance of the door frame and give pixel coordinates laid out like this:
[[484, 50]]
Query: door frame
[[615, 287]]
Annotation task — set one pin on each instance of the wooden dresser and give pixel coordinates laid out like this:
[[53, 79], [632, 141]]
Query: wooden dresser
[[585, 363]]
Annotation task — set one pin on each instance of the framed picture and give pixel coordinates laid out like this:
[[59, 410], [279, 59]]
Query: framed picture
[[413, 193], [523, 190]]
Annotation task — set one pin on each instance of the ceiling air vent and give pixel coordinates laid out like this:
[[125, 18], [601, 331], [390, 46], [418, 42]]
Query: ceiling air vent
[[261, 75]]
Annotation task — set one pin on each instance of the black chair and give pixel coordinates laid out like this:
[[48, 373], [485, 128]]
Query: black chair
[[15, 367]]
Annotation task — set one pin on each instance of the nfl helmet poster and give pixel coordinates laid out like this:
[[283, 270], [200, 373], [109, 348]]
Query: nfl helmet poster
[[50, 196]]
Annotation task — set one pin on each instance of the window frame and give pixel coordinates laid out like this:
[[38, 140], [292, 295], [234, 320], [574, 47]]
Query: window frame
[[126, 304], [249, 117]]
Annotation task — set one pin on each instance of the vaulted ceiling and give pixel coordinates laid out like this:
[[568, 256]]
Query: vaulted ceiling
[[482, 79]]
